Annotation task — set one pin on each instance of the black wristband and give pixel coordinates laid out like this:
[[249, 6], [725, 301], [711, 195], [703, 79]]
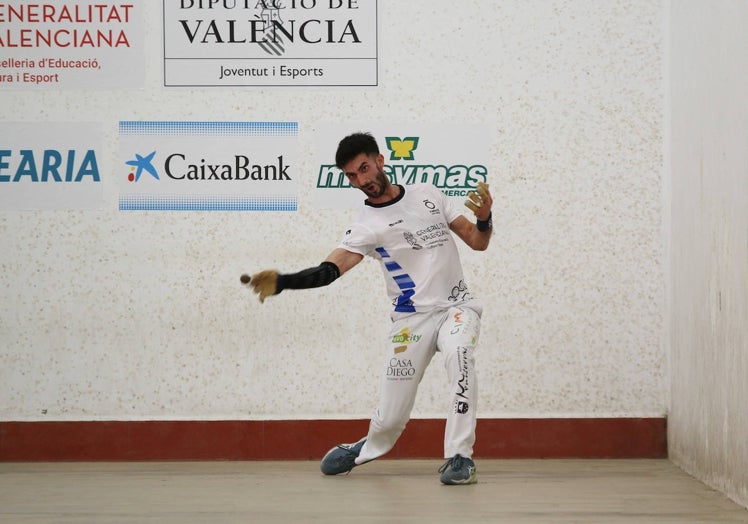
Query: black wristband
[[485, 225], [319, 276]]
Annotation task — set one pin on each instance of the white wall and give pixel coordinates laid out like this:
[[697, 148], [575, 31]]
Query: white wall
[[139, 315], [708, 422]]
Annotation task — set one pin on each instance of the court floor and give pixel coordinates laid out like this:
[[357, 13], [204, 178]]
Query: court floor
[[511, 491]]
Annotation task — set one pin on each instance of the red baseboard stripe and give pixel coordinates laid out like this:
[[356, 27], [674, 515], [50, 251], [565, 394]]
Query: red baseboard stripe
[[310, 439]]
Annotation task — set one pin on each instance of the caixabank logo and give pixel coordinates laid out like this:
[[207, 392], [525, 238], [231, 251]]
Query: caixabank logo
[[404, 166], [179, 166], [141, 164], [206, 166]]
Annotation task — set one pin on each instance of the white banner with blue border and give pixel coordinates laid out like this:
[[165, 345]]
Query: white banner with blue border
[[208, 166]]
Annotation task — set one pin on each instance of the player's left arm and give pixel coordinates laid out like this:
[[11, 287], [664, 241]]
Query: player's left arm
[[476, 235]]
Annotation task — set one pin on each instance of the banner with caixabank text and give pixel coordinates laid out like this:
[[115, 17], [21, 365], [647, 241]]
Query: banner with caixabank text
[[207, 166], [453, 157], [270, 43], [71, 44]]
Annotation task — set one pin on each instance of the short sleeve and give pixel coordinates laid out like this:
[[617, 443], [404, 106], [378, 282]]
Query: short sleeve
[[359, 239], [450, 210]]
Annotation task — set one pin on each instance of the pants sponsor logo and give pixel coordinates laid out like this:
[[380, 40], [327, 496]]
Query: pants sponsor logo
[[400, 369], [404, 338], [458, 323], [463, 384]]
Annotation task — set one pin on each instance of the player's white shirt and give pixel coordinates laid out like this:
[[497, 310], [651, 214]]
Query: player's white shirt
[[410, 237]]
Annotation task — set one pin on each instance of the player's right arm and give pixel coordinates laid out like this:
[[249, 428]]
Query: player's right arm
[[271, 282], [344, 259]]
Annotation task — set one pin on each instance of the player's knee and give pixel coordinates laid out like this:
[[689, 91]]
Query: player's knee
[[460, 362], [460, 354]]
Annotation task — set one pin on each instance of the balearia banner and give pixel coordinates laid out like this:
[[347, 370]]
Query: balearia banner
[[50, 166]]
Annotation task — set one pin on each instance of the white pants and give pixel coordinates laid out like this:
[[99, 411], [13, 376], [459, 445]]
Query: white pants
[[413, 341]]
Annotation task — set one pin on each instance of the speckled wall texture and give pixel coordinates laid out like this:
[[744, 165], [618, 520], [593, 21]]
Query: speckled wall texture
[[140, 315]]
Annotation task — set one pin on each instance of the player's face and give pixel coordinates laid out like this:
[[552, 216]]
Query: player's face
[[367, 174]]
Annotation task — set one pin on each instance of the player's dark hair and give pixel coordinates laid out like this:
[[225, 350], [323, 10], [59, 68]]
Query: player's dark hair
[[353, 145]]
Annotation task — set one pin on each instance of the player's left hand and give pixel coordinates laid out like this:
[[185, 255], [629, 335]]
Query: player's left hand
[[480, 201], [264, 283]]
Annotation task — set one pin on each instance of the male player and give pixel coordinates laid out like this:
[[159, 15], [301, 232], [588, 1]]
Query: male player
[[409, 231]]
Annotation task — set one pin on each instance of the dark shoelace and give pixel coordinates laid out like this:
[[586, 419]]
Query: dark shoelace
[[455, 462], [348, 448]]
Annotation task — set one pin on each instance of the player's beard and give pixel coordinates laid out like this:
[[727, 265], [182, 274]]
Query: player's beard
[[378, 186]]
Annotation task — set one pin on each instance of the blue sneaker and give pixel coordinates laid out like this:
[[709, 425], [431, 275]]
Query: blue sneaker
[[458, 470], [341, 458]]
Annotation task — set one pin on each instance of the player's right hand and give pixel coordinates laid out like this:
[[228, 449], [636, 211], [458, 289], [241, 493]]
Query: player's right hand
[[264, 283]]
